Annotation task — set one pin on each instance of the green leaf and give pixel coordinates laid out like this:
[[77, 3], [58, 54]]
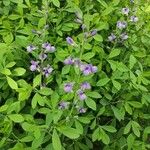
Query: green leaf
[[54, 99], [37, 80], [11, 64], [37, 99], [98, 38], [34, 101], [90, 103], [46, 91], [56, 140], [16, 118], [42, 23], [19, 71], [114, 53], [6, 71], [3, 108], [116, 84], [109, 128], [132, 61], [118, 114], [108, 10], [88, 56], [12, 83], [79, 126], [94, 94], [66, 69], [56, 3], [84, 120], [14, 17], [127, 128], [135, 104], [103, 82], [96, 135], [130, 141], [104, 136], [135, 128], [69, 132]]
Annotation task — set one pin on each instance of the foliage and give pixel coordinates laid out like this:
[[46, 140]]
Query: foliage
[[74, 74]]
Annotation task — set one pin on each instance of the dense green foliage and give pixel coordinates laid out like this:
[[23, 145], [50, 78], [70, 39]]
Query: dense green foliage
[[41, 104]]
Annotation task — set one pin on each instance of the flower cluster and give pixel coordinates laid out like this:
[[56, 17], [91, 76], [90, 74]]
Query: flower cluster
[[121, 25], [38, 64]]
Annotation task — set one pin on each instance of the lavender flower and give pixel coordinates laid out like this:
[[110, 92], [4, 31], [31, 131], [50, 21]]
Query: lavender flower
[[68, 61], [112, 37], [93, 32], [42, 56], [125, 11], [77, 62], [134, 19], [68, 87], [85, 86], [30, 48], [124, 36], [70, 41], [34, 65], [47, 70], [82, 110], [121, 24], [81, 95], [88, 69], [47, 46], [63, 105]]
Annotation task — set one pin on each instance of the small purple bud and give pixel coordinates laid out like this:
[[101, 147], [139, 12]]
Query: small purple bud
[[112, 37], [68, 61], [42, 56], [125, 11], [46, 45], [85, 86], [82, 110], [93, 32], [47, 70], [121, 24], [30, 48], [94, 69], [124, 36], [134, 19], [68, 87], [81, 95], [70, 41], [63, 105]]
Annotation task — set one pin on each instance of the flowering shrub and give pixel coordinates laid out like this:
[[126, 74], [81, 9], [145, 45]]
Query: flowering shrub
[[74, 75]]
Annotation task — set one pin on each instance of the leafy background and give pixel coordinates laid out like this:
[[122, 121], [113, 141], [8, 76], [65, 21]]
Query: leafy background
[[118, 114]]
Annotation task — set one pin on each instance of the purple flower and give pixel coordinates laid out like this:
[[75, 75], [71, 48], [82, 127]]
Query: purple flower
[[124, 36], [82, 110], [81, 95], [63, 105], [42, 56], [68, 87], [125, 11], [85, 86], [134, 19], [30, 48], [48, 47], [70, 41], [68, 61], [121, 24], [93, 32], [77, 62], [34, 65], [112, 37], [47, 70], [88, 69]]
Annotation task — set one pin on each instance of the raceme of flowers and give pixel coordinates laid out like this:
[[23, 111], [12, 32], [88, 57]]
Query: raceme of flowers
[[122, 25]]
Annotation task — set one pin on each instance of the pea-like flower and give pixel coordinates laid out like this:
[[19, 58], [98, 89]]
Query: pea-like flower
[[34, 65], [82, 110], [69, 61], [63, 105], [68, 87], [112, 37], [121, 24], [30, 48], [47, 70], [124, 36], [70, 41], [125, 11], [134, 19], [48, 48], [85, 86], [81, 95], [42, 56], [87, 69], [93, 32]]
